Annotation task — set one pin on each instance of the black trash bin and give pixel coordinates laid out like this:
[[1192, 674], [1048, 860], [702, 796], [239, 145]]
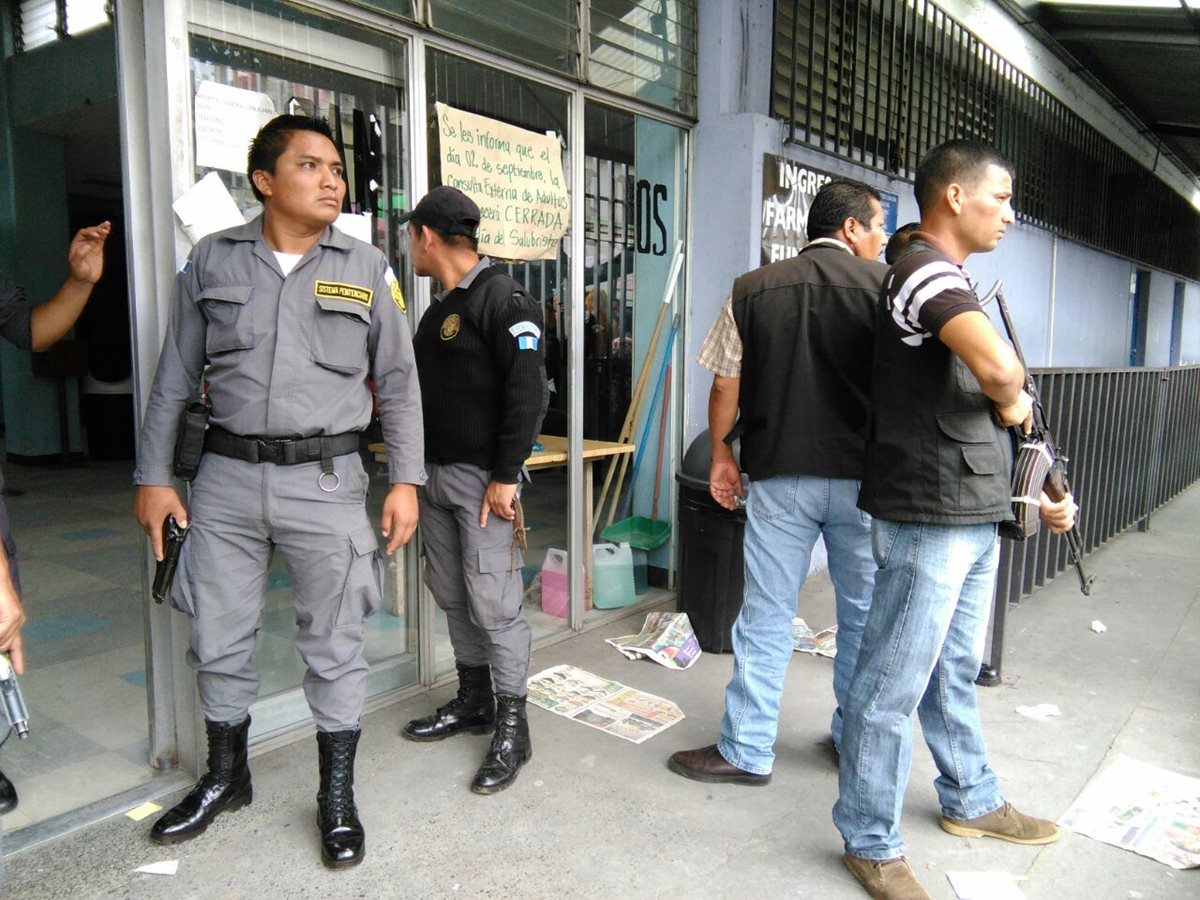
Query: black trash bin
[[711, 579]]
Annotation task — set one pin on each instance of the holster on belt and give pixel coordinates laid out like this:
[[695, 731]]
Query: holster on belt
[[189, 442]]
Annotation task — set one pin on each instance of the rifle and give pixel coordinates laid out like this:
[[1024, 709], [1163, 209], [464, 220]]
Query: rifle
[[1039, 465]]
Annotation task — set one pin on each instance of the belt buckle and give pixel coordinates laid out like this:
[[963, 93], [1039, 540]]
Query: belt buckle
[[268, 450]]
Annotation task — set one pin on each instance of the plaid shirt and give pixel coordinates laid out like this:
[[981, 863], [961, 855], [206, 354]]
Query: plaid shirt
[[721, 352]]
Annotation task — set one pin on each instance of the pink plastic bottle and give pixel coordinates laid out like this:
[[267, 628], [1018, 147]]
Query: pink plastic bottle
[[554, 583]]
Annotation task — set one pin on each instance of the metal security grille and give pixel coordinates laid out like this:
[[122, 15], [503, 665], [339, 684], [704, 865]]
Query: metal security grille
[[1133, 444], [880, 81]]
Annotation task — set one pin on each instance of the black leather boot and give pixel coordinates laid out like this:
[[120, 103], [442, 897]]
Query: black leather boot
[[343, 841], [511, 747], [473, 709], [8, 795], [226, 786]]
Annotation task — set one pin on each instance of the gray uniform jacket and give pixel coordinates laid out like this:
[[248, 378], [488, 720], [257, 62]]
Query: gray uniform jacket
[[286, 357]]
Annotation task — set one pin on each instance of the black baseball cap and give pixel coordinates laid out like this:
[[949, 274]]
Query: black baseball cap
[[447, 210]]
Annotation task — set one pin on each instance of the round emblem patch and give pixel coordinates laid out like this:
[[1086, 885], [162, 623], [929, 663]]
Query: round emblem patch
[[450, 327]]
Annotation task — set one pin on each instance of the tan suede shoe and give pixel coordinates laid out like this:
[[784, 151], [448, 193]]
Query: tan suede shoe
[[888, 880], [1006, 823]]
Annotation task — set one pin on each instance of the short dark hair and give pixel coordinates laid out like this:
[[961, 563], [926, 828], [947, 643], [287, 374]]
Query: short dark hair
[[899, 240], [964, 162], [273, 138], [454, 241], [838, 201]]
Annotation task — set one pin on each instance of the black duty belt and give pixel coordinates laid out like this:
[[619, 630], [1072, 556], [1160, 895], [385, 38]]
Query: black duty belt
[[280, 451]]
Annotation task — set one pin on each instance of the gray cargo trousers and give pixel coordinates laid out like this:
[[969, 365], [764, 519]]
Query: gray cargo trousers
[[240, 514], [474, 574]]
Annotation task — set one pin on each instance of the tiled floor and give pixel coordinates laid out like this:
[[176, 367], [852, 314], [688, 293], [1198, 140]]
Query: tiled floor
[[85, 682]]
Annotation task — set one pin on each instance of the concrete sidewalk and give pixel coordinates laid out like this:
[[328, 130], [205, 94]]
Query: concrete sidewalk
[[595, 816]]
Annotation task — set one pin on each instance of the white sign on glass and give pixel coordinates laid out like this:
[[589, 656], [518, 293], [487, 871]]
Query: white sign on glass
[[227, 119], [516, 177]]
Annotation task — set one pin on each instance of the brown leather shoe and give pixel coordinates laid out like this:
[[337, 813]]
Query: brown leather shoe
[[707, 764], [886, 880], [1006, 823]]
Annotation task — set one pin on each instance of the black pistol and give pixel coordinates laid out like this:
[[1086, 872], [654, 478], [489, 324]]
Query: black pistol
[[164, 574]]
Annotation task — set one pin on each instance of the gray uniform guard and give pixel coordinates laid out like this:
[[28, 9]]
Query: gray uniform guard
[[286, 356], [285, 320]]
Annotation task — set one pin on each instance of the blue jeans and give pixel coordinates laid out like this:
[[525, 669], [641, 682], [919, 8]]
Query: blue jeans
[[784, 517], [920, 652]]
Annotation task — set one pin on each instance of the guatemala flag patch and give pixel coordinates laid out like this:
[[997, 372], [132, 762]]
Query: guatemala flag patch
[[527, 334]]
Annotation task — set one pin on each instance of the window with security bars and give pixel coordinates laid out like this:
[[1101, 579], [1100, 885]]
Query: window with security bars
[[543, 32], [38, 22], [644, 49], [880, 81], [640, 48]]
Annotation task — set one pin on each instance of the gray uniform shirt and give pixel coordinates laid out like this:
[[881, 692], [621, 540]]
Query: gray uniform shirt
[[286, 357]]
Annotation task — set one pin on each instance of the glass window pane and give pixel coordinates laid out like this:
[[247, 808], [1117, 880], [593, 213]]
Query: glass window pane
[[543, 33], [85, 14], [39, 22], [634, 213], [645, 50], [401, 8]]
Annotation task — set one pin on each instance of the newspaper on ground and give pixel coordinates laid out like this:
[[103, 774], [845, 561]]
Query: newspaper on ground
[[607, 705], [667, 638], [1143, 808], [818, 643]]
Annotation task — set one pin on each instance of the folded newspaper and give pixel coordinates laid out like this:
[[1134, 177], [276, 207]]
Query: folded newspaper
[[819, 643], [666, 638], [609, 706]]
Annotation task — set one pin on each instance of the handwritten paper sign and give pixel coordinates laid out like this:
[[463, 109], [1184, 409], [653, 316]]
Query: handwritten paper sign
[[227, 119], [515, 176]]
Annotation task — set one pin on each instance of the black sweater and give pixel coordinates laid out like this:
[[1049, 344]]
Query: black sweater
[[479, 354]]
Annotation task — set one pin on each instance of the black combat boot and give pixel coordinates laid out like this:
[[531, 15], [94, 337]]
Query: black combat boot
[[510, 749], [343, 841], [8, 795], [473, 709], [226, 786]]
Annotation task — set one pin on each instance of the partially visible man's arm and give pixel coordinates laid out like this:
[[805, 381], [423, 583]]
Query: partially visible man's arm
[[52, 319], [972, 338], [12, 616], [724, 476]]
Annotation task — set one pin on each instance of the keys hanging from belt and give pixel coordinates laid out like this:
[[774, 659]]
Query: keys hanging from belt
[[520, 533]]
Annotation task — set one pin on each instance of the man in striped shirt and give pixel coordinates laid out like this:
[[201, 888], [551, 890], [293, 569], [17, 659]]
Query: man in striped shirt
[[937, 484]]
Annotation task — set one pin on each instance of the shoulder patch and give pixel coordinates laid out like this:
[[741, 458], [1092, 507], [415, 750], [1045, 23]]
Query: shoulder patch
[[394, 286], [342, 291], [187, 266], [527, 334]]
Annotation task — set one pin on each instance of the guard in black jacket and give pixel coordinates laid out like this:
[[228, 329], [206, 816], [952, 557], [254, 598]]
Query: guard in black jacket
[[483, 385]]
